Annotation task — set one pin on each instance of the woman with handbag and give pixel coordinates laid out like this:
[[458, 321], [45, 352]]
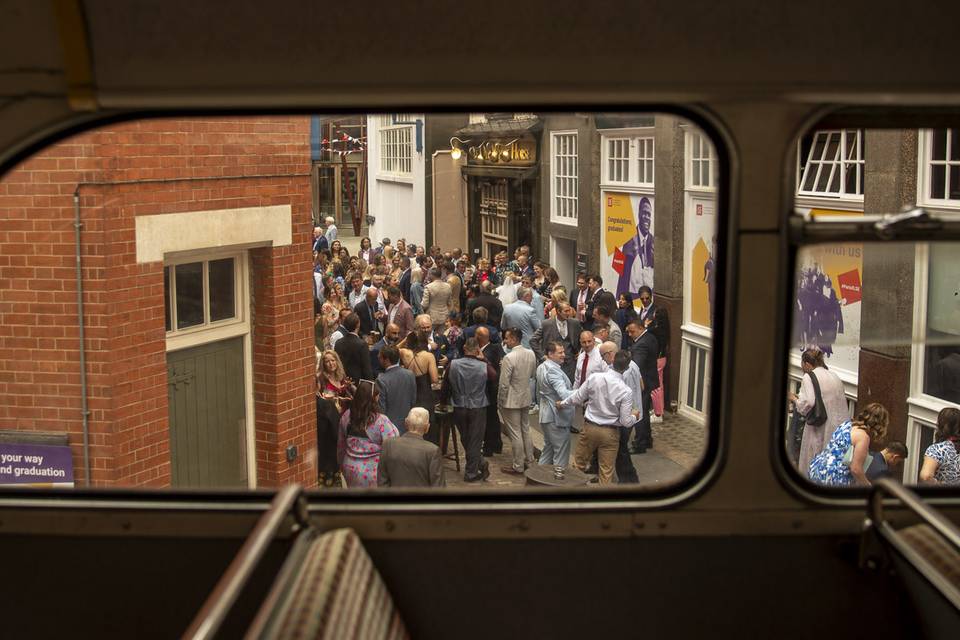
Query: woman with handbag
[[844, 461], [823, 404]]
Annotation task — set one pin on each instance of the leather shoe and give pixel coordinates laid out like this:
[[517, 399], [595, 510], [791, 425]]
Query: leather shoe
[[511, 471], [484, 470], [473, 479]]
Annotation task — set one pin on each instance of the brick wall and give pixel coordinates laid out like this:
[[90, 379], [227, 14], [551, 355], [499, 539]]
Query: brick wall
[[124, 171]]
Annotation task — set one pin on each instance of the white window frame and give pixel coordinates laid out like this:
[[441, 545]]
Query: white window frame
[[208, 331], [562, 203], [395, 142], [223, 330], [922, 408], [843, 165], [710, 158], [635, 139], [925, 174], [700, 338]]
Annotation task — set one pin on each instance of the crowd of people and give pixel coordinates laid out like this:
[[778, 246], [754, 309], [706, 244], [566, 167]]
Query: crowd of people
[[404, 332], [833, 449]]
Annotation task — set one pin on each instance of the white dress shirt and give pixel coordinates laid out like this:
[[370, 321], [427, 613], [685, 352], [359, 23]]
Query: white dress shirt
[[632, 378], [582, 299], [609, 401], [594, 365], [354, 298]]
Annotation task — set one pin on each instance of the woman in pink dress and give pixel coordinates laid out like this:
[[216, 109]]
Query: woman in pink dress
[[362, 432]]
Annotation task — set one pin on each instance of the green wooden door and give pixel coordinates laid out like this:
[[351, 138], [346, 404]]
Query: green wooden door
[[205, 392]]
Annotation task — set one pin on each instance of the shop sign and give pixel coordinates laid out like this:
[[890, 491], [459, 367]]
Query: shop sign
[[516, 153], [36, 465]]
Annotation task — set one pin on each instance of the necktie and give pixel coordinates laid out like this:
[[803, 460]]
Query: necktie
[[583, 370]]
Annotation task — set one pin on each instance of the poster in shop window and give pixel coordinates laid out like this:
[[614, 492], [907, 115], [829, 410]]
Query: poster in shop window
[[701, 250], [827, 301], [627, 238]]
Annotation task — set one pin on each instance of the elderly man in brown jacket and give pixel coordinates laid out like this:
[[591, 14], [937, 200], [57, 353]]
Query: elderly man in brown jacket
[[437, 299], [517, 369]]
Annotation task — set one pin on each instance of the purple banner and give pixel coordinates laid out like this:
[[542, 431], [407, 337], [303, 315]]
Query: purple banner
[[35, 464]]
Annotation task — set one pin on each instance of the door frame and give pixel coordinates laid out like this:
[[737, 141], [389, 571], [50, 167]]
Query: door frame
[[216, 333]]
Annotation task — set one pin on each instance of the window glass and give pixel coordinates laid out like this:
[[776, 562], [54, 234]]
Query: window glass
[[189, 296], [166, 299], [877, 324], [942, 357], [237, 372], [221, 278]]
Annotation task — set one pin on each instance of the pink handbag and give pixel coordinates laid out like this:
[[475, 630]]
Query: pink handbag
[[656, 396]]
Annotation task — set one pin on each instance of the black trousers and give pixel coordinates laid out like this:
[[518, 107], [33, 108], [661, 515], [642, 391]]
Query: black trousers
[[644, 437], [626, 472], [492, 440], [472, 425]]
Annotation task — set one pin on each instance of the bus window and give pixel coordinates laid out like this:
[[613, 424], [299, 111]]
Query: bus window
[[875, 341], [388, 300]]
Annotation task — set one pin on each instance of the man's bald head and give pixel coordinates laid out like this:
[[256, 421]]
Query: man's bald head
[[483, 335]]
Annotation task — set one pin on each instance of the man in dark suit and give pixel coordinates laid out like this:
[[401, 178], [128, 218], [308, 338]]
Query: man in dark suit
[[644, 350], [657, 321], [492, 353], [404, 282], [563, 329], [480, 320], [353, 351], [598, 296], [391, 336], [436, 342], [398, 387], [368, 311], [488, 301], [399, 311]]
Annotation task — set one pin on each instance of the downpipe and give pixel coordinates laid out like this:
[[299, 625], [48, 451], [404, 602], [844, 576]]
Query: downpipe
[[84, 410]]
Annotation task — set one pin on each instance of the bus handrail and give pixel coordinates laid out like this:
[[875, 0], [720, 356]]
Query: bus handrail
[[224, 596], [888, 486]]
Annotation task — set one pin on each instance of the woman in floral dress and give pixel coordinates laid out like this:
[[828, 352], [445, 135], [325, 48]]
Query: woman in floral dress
[[941, 460], [362, 432], [870, 426]]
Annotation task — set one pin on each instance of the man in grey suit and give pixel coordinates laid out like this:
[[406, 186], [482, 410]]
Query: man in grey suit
[[553, 386], [466, 386], [521, 315], [411, 461], [517, 369], [564, 329], [398, 387]]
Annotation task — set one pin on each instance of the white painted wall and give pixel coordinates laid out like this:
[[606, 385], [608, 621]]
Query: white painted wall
[[397, 202]]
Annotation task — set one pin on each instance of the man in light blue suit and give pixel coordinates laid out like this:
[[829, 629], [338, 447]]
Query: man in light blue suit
[[522, 316], [553, 385], [536, 299]]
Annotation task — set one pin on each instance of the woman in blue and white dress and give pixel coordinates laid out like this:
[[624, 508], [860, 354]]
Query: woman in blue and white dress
[[828, 467], [941, 460]]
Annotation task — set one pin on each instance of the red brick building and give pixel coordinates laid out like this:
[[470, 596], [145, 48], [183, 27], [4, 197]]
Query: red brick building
[[195, 250]]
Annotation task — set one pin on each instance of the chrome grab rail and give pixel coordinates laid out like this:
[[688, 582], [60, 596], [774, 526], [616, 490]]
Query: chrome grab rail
[[224, 596], [942, 526]]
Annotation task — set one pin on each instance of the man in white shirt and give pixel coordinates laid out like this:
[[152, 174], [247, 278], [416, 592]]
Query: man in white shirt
[[358, 291], [589, 361], [331, 233], [583, 296], [609, 409]]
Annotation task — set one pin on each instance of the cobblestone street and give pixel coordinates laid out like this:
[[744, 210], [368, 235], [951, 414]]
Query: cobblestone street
[[678, 445]]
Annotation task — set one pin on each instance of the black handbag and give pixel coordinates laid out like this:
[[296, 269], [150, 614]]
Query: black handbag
[[818, 412]]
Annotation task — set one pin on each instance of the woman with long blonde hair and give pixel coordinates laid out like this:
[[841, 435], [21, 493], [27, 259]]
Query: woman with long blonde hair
[[842, 462]]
